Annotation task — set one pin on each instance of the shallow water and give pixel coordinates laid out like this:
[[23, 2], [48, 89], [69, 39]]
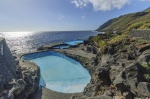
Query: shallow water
[[74, 42], [60, 73]]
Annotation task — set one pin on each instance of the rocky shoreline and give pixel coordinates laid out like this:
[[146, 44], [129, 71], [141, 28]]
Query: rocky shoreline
[[119, 72], [122, 73]]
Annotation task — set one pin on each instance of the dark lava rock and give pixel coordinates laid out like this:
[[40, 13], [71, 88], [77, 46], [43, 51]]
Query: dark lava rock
[[127, 95], [124, 69], [144, 88]]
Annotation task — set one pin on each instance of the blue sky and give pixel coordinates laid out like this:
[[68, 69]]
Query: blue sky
[[63, 15]]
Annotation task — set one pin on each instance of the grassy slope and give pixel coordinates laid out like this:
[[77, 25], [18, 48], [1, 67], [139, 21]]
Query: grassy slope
[[139, 20], [147, 10], [123, 24]]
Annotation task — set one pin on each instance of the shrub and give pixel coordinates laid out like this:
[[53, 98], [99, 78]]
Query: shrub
[[134, 26], [145, 26], [102, 45], [120, 38], [147, 77], [94, 39], [141, 40], [145, 66]]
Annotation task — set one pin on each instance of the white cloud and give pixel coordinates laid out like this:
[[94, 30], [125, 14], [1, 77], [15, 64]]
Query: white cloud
[[80, 3], [60, 17], [83, 17], [144, 0], [103, 5]]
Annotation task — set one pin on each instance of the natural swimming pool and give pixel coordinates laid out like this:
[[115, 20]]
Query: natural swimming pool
[[59, 72], [74, 42]]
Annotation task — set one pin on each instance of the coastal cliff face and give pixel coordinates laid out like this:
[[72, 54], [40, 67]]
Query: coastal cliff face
[[17, 80], [7, 65], [122, 69]]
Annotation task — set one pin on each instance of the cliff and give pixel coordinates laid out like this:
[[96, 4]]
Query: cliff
[[121, 70], [7, 64], [17, 80]]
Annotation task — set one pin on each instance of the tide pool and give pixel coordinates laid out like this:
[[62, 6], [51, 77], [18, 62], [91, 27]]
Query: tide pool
[[74, 43], [59, 72]]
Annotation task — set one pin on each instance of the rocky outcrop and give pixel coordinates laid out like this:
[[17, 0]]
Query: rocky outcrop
[[141, 33], [92, 49], [17, 80], [7, 65], [121, 74], [30, 74]]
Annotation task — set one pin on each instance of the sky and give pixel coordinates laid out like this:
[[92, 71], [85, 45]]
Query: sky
[[63, 15]]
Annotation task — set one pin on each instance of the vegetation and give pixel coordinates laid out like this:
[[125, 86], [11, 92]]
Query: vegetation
[[128, 22], [135, 26], [117, 30], [118, 39], [102, 45], [101, 91], [147, 77], [147, 10], [94, 39], [145, 66], [141, 40]]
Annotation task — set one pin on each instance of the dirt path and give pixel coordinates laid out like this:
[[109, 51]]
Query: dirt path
[[44, 93], [77, 51]]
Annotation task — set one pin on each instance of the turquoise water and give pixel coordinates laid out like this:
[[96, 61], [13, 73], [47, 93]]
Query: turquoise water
[[59, 72], [62, 47], [68, 44], [74, 42]]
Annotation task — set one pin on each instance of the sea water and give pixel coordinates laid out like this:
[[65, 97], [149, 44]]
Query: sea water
[[26, 41]]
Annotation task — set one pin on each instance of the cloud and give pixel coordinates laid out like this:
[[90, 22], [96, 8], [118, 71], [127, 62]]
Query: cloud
[[83, 17], [80, 3], [102, 5], [60, 17], [144, 0]]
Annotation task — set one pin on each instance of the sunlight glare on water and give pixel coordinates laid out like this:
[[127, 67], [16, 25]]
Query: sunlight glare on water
[[30, 41], [16, 34]]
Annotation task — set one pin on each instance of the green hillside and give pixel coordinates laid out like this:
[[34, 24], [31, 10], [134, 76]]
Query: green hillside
[[125, 23], [147, 10]]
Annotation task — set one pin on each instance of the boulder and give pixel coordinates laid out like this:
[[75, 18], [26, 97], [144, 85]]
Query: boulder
[[95, 50], [111, 50], [118, 97], [89, 49], [143, 88], [127, 95], [143, 47], [114, 71], [99, 82]]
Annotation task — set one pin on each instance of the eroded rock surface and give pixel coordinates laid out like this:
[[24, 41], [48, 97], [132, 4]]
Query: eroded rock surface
[[17, 80], [121, 72]]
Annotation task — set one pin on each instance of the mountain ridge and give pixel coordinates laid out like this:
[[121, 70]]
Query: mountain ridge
[[127, 22]]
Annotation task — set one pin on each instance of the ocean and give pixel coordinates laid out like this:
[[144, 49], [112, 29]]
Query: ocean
[[22, 42]]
